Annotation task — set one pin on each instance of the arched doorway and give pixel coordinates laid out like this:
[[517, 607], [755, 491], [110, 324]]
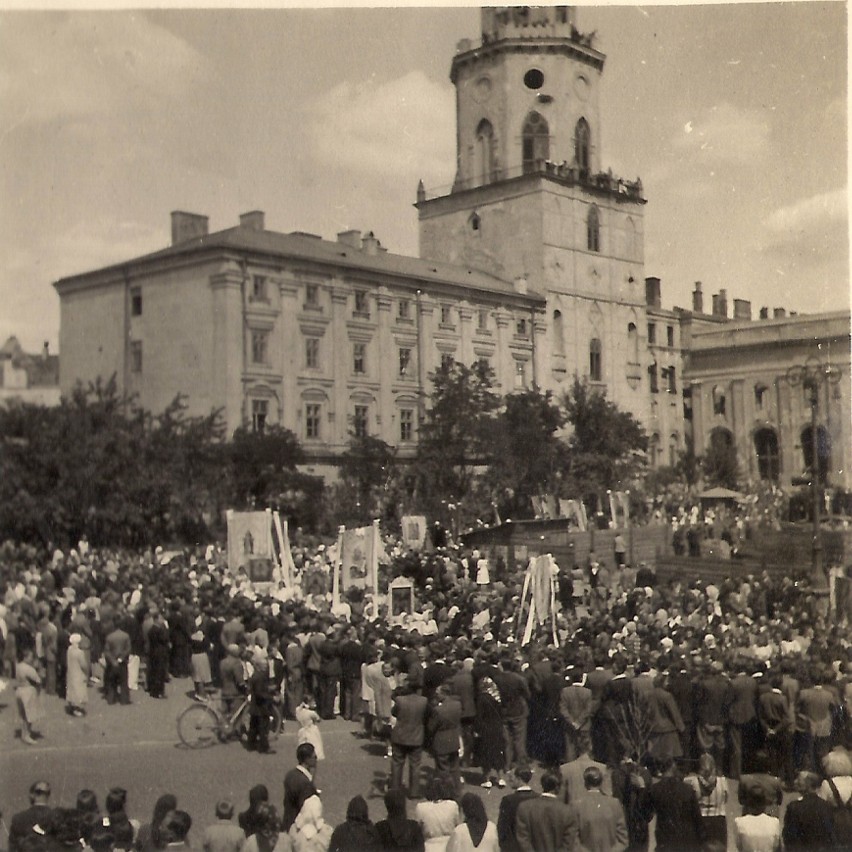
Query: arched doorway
[[766, 449]]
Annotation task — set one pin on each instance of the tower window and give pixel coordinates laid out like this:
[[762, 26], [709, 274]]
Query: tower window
[[595, 364], [535, 142], [483, 167], [475, 222], [593, 230], [136, 301], [558, 333], [136, 356], [534, 79], [582, 145]]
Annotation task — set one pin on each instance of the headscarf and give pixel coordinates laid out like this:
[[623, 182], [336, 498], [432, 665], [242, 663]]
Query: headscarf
[[475, 817], [164, 806], [357, 810]]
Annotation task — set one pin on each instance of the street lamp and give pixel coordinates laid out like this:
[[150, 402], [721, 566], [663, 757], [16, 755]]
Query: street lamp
[[811, 376]]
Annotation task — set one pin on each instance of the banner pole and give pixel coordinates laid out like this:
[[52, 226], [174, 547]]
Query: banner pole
[[337, 567]]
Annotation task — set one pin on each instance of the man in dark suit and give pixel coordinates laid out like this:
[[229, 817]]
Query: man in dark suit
[[351, 657], [617, 706], [407, 739], [773, 713], [444, 727], [817, 708], [436, 672], [260, 707], [678, 815], [515, 708], [711, 698], [575, 707], [600, 818], [31, 828], [741, 715], [461, 684], [233, 678], [544, 824], [299, 784], [808, 822], [117, 655], [507, 818], [329, 674]]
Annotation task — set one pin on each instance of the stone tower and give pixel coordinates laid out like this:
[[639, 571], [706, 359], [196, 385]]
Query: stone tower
[[532, 202]]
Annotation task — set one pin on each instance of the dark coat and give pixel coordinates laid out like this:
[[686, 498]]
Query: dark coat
[[544, 824], [410, 712], [444, 726], [808, 824], [678, 815], [298, 788], [507, 819]]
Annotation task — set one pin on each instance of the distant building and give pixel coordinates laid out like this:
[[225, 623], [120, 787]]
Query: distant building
[[26, 377], [744, 394]]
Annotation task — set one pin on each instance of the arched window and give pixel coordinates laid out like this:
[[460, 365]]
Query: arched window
[[558, 333], [595, 361], [632, 343], [535, 142], [766, 449], [483, 167], [582, 145], [593, 229], [823, 449]]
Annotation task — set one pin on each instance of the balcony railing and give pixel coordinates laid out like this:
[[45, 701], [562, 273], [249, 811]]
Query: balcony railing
[[570, 175]]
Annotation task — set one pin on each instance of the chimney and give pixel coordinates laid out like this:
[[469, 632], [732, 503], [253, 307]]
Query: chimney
[[723, 303], [742, 309], [778, 313], [370, 244], [187, 226], [698, 299], [350, 238], [652, 293], [253, 220], [764, 313], [521, 285]]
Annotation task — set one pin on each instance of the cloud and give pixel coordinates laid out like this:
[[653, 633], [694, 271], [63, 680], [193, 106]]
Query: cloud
[[72, 65], [723, 133], [812, 214], [398, 128]]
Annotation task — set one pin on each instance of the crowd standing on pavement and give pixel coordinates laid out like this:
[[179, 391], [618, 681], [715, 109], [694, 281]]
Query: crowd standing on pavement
[[642, 701]]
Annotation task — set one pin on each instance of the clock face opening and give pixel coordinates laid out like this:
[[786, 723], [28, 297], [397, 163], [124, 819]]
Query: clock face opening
[[534, 79]]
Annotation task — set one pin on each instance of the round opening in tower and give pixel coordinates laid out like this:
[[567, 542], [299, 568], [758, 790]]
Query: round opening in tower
[[533, 79]]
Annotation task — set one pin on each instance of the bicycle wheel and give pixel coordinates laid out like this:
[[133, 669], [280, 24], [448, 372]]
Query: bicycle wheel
[[198, 726], [274, 724]]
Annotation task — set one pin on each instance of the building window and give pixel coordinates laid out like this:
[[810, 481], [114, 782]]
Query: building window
[[259, 414], [447, 361], [633, 343], [672, 380], [404, 361], [558, 333], [446, 315], [259, 346], [406, 424], [670, 336], [361, 307], [521, 327], [483, 167], [535, 143], [595, 365], [482, 320], [475, 222], [652, 379], [135, 356], [312, 348], [759, 396], [652, 333], [258, 288], [484, 363], [136, 301], [359, 421], [312, 420], [766, 449], [718, 400], [593, 230], [520, 374], [404, 309], [312, 294], [359, 358], [582, 146]]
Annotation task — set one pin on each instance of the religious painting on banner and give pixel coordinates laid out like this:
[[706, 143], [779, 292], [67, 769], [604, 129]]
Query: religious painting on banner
[[414, 531], [356, 557], [250, 544]]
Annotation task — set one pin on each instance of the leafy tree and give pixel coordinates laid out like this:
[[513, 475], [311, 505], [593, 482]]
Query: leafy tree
[[367, 471], [607, 446], [720, 464], [527, 454], [457, 434]]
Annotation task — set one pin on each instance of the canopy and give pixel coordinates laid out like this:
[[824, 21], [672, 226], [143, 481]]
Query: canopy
[[721, 494]]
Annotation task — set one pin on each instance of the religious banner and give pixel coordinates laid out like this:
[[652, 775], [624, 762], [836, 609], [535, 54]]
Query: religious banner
[[250, 544], [539, 595], [357, 562], [414, 531]]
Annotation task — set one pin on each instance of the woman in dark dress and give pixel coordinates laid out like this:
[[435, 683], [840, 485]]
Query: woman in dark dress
[[158, 657], [489, 745], [398, 833]]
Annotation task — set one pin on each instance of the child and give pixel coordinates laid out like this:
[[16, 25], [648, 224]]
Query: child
[[308, 717]]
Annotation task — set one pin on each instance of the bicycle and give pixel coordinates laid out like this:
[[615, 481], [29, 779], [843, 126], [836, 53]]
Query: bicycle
[[202, 725]]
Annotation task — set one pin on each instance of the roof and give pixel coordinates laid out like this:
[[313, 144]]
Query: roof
[[311, 248]]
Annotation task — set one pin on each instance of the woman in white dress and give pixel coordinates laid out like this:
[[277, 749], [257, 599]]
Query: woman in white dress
[[438, 815], [28, 696], [477, 833], [77, 678]]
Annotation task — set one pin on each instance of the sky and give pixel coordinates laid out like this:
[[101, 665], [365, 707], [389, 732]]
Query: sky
[[734, 116]]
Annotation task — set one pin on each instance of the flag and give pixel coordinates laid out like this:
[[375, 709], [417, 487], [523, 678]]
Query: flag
[[414, 531]]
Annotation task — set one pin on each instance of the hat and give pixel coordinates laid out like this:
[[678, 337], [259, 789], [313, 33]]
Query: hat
[[40, 788]]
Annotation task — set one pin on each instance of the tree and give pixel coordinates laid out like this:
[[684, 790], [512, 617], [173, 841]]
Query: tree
[[607, 446], [527, 454], [456, 435], [720, 464], [368, 467]]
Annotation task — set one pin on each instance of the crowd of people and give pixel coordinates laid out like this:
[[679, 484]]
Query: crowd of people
[[636, 700]]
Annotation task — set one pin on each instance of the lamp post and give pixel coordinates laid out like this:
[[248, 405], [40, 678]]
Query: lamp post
[[811, 376]]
